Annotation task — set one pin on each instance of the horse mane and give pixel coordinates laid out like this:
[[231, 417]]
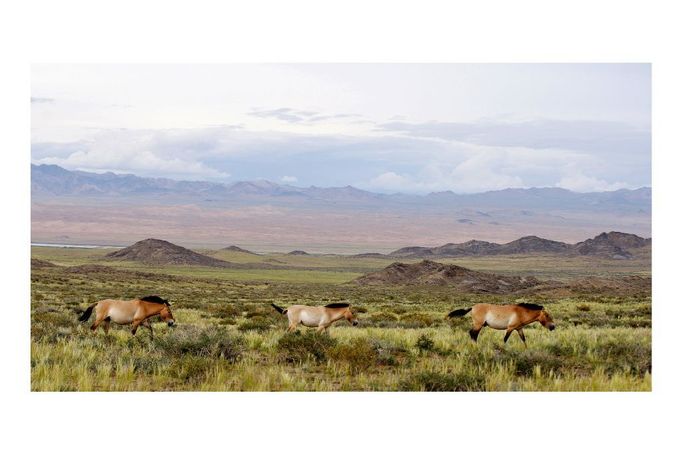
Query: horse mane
[[155, 299], [531, 306], [337, 305]]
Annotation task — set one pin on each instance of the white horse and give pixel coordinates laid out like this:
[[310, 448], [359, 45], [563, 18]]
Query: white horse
[[317, 316]]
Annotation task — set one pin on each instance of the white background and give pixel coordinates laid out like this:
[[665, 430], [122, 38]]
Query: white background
[[340, 31]]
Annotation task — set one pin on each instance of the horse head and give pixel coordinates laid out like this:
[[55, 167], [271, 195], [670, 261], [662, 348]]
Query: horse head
[[350, 317], [546, 320], [167, 315]]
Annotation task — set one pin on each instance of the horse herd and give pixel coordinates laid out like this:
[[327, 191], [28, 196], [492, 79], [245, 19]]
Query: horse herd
[[138, 312]]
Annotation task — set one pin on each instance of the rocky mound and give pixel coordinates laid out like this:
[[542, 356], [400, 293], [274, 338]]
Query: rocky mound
[[236, 249], [470, 248], [437, 274], [533, 244], [414, 252], [368, 255], [40, 264], [160, 252], [297, 253], [614, 245]]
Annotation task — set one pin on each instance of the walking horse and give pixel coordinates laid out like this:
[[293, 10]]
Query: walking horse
[[505, 317], [136, 312], [317, 316]]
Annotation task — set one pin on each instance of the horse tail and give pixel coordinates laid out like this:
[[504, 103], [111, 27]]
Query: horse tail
[[279, 308], [458, 313], [86, 314]]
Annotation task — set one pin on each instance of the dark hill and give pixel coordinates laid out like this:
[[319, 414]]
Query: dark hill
[[369, 255], [236, 249], [160, 252], [436, 274], [533, 244], [612, 245], [298, 253], [40, 263]]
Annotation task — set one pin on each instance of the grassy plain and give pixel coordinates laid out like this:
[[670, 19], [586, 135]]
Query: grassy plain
[[229, 338]]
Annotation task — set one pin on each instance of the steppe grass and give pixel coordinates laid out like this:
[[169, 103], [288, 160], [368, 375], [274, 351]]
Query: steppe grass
[[228, 338]]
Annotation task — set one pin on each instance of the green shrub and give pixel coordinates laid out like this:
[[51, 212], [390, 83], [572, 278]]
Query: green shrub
[[301, 346], [389, 354], [425, 343], [417, 320], [213, 342], [442, 382], [257, 324], [226, 311], [382, 319], [359, 354], [525, 362], [191, 369]]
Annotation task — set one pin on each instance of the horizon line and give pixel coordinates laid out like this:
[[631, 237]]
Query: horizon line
[[229, 184]]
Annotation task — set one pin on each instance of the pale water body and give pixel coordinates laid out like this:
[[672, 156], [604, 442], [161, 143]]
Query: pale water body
[[63, 245]]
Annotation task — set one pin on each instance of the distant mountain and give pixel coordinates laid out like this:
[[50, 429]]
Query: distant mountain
[[52, 180], [533, 244], [122, 208], [613, 245], [161, 252], [298, 253]]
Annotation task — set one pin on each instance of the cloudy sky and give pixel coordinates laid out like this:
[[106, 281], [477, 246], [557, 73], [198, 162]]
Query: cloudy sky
[[411, 128]]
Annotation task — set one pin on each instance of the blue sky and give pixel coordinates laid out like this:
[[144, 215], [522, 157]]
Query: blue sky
[[412, 128]]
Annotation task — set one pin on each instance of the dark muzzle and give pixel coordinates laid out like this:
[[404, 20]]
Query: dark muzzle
[[551, 327], [171, 323], [355, 323]]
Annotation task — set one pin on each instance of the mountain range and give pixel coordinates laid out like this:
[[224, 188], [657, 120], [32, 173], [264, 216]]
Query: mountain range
[[612, 245], [52, 180], [114, 209]]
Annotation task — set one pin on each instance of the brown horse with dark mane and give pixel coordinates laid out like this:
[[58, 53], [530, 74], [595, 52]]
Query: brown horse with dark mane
[[136, 312], [505, 317]]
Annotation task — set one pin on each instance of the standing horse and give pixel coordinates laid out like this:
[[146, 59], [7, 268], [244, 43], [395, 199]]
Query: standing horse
[[317, 316], [505, 317], [136, 312]]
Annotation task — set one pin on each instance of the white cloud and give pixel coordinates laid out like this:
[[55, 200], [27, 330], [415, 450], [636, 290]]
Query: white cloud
[[582, 183], [289, 179]]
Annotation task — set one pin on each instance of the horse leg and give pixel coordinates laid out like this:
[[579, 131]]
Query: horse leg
[[98, 321], [292, 327], [506, 335], [148, 324], [107, 322], [136, 324], [473, 333], [523, 337]]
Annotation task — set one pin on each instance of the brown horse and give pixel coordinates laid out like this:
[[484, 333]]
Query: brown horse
[[317, 316], [505, 317], [136, 312]]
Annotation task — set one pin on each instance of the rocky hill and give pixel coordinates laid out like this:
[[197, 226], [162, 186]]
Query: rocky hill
[[436, 274], [40, 263], [613, 245], [236, 249], [160, 252]]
